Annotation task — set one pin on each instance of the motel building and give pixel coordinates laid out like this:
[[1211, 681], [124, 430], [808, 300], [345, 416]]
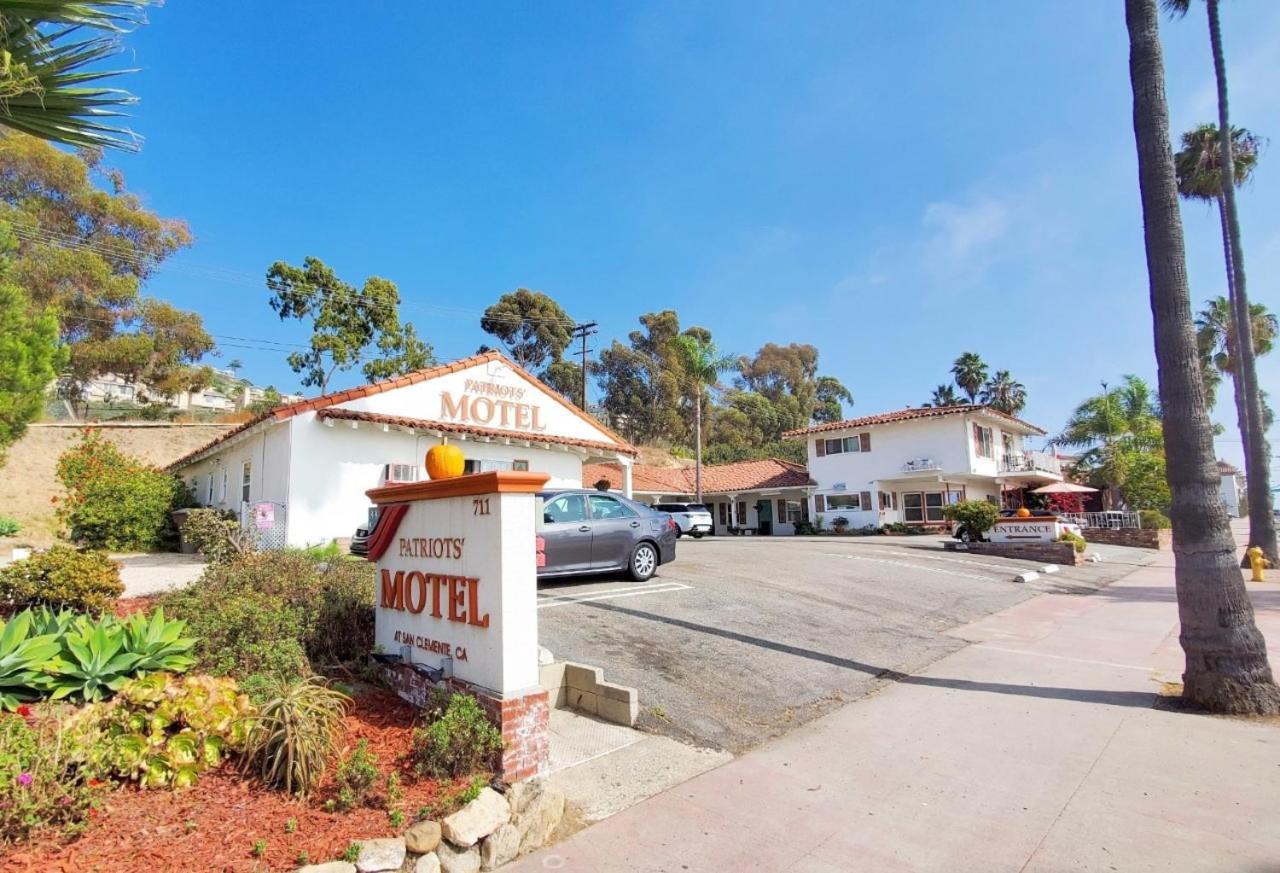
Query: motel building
[[905, 466], [765, 497], [297, 475]]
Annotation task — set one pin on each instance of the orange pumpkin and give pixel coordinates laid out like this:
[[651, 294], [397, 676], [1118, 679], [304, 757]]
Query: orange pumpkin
[[1023, 512], [445, 462]]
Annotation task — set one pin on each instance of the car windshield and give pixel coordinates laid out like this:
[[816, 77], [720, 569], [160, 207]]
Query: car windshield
[[698, 507], [565, 508]]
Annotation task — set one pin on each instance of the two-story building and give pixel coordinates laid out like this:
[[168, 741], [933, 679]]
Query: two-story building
[[905, 466]]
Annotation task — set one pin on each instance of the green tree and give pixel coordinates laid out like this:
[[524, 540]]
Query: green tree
[[1117, 429], [565, 377], [533, 329], [703, 365], [640, 381], [1262, 526], [348, 325], [30, 358], [830, 395], [1004, 393], [1226, 657], [270, 400], [970, 373], [1215, 339], [51, 79], [944, 395]]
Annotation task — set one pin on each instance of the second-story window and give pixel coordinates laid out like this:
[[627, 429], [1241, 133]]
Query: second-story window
[[857, 443], [982, 443]]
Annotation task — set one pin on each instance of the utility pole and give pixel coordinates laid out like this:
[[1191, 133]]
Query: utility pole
[[582, 331]]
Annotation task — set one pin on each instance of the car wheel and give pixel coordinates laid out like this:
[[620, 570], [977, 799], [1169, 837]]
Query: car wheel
[[964, 535], [644, 562], [679, 532], [696, 536]]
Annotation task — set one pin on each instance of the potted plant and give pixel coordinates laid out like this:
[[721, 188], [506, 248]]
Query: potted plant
[[840, 523], [972, 519]]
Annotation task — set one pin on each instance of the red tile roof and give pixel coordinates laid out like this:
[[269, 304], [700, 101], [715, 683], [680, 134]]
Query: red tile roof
[[910, 414], [761, 475], [454, 427], [282, 413]]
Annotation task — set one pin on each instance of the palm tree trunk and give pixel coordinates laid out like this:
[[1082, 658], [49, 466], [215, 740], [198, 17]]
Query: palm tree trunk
[[1226, 656], [1237, 384], [697, 445], [1262, 526]]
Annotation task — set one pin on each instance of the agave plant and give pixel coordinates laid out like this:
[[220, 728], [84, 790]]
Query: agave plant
[[295, 733], [159, 643], [94, 661], [46, 620], [50, 78], [24, 659]]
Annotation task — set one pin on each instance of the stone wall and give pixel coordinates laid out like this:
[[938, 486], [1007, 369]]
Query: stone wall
[[1140, 538], [1049, 553]]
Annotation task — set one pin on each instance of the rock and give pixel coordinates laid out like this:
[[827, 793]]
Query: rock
[[539, 818], [458, 860], [422, 837], [428, 863], [500, 847], [379, 855], [545, 657], [519, 794], [331, 867], [477, 819]]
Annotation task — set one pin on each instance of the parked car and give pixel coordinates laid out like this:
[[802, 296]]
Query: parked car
[[693, 519], [586, 531]]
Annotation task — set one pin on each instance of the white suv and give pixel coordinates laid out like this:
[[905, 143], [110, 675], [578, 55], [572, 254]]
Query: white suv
[[693, 519]]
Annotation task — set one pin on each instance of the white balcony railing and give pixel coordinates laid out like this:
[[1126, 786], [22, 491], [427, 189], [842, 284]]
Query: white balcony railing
[[1030, 462]]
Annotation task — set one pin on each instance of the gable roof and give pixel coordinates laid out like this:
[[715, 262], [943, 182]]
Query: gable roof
[[324, 401], [910, 414], [767, 473]]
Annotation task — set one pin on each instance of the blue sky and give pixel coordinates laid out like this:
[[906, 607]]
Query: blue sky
[[894, 183]]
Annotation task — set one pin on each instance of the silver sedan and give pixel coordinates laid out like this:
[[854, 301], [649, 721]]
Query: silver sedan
[[585, 531]]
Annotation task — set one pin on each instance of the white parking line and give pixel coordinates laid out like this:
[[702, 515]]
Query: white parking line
[[927, 569], [588, 596], [946, 556]]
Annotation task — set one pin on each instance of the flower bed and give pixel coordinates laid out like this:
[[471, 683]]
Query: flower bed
[[226, 823]]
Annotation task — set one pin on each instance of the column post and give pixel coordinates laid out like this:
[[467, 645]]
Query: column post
[[626, 475]]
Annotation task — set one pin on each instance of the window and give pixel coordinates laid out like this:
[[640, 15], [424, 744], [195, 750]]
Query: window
[[913, 506], [246, 479], [226, 474], [724, 514], [982, 443], [933, 506], [1006, 442], [565, 509], [857, 443], [844, 501], [886, 502], [522, 466], [742, 513], [921, 507], [795, 511], [208, 490], [485, 465], [604, 507]]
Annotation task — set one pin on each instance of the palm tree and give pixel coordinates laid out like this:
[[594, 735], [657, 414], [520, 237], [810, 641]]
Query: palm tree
[[45, 88], [945, 395], [703, 364], [1215, 337], [1262, 527], [970, 373], [1114, 427], [1005, 394], [1226, 656]]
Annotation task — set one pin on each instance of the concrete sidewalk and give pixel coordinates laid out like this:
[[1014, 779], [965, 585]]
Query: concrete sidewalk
[[1036, 748]]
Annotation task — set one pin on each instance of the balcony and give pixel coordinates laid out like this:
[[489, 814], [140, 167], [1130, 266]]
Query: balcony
[[1031, 462]]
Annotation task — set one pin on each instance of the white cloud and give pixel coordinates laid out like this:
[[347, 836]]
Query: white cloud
[[962, 232]]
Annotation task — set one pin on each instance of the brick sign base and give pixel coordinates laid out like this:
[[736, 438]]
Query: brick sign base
[[525, 721]]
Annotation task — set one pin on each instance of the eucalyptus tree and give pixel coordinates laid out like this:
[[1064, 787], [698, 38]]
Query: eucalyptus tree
[[703, 364], [1262, 528], [1226, 656], [970, 373], [51, 81]]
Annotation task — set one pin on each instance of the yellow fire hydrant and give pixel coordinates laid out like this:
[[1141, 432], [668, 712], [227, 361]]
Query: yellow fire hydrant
[[1257, 562]]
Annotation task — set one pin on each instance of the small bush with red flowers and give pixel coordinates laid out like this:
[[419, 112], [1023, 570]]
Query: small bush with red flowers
[[43, 780], [115, 501]]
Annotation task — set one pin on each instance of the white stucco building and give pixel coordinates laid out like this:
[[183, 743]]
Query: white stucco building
[[299, 473], [904, 466]]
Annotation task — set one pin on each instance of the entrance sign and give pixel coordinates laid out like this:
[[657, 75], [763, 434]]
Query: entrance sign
[[1026, 530], [457, 578]]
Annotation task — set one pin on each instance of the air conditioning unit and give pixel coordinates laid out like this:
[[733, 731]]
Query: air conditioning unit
[[399, 473]]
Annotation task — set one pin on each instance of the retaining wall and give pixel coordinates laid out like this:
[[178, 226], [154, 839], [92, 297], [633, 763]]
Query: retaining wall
[[1161, 539]]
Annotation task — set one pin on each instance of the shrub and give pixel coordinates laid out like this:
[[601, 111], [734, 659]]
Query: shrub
[[9, 526], [216, 535], [43, 782], [1074, 538], [295, 733], [840, 523], [97, 657], [62, 577], [459, 740], [114, 501], [163, 731], [24, 660], [1154, 519], [805, 529], [977, 515], [356, 775]]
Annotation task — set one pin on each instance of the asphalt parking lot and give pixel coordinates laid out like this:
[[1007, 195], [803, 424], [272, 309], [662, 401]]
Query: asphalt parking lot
[[742, 639]]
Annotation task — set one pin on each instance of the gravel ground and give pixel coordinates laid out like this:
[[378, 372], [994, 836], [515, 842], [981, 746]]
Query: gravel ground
[[741, 639]]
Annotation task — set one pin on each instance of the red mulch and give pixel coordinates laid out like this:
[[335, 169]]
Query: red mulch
[[214, 825], [127, 606]]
